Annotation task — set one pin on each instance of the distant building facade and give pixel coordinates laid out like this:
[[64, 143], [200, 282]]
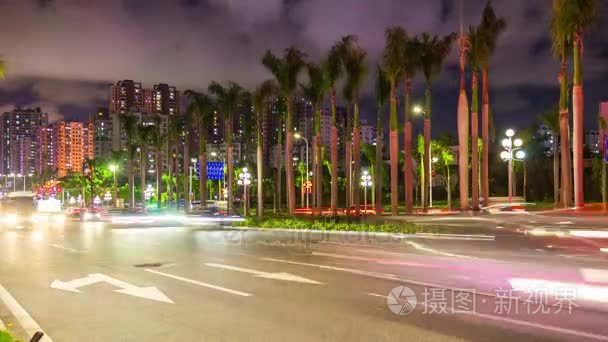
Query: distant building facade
[[67, 145], [20, 146]]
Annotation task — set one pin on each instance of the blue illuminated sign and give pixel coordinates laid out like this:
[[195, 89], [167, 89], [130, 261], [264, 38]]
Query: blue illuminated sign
[[215, 170]]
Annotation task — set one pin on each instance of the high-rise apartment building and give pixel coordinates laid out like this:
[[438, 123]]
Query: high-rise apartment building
[[71, 144], [102, 132], [19, 148], [166, 100], [126, 96]]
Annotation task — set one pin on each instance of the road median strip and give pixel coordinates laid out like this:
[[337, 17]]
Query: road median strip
[[26, 321]]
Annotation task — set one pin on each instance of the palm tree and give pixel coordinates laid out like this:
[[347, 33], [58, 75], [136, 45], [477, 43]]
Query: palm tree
[[433, 52], [334, 68], [347, 94], [411, 63], [315, 92], [129, 124], [382, 94], [227, 99], [174, 133], [392, 64], [463, 126], [260, 98], [476, 54], [203, 106], [550, 119], [158, 139], [356, 70], [571, 19], [492, 27], [143, 139], [286, 71]]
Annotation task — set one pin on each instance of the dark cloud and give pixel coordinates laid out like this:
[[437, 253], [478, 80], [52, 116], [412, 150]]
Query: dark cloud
[[63, 53]]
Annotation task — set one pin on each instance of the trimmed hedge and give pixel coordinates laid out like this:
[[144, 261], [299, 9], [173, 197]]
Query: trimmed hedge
[[299, 223]]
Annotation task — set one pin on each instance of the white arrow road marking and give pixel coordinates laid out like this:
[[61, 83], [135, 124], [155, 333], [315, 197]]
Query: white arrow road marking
[[151, 292], [267, 275], [25, 320], [200, 283]]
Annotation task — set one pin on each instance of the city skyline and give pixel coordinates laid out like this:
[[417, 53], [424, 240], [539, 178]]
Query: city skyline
[[72, 85]]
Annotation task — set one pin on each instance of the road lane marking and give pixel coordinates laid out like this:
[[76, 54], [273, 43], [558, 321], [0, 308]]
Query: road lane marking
[[383, 276], [434, 251], [149, 292], [200, 283], [26, 321], [71, 250], [594, 275], [267, 275], [377, 261], [523, 323]]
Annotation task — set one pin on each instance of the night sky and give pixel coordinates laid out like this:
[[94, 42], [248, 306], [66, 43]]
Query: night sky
[[62, 54]]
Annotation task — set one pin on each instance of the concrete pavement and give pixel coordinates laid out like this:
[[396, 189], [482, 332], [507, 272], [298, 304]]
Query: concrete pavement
[[233, 285]]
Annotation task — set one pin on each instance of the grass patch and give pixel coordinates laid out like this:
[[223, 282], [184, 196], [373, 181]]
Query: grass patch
[[6, 337]]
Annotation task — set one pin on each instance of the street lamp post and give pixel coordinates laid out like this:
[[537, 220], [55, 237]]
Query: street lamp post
[[299, 136], [245, 180], [366, 181], [190, 194], [512, 152]]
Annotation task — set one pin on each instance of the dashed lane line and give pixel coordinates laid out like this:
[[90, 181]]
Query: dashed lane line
[[200, 283]]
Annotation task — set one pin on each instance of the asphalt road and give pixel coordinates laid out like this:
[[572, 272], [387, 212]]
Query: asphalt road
[[189, 284]]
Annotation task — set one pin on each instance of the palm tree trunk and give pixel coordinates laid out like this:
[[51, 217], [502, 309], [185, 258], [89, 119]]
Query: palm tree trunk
[[394, 151], [577, 110], [291, 195], [356, 158], [229, 161], [187, 179], [449, 189], [485, 138], [427, 146], [158, 174], [408, 150], [170, 162], [317, 174], [334, 154], [348, 150], [378, 173], [463, 149], [279, 178], [555, 171], [474, 137], [260, 167], [143, 168], [202, 184], [564, 133], [131, 180]]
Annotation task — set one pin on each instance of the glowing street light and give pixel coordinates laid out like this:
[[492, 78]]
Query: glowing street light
[[366, 181], [512, 152], [245, 180], [417, 109]]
